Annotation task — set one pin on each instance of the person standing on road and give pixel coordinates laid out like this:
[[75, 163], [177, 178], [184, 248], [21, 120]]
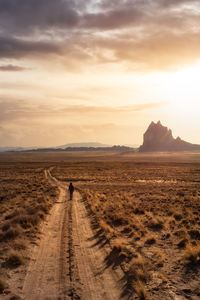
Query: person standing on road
[[71, 190]]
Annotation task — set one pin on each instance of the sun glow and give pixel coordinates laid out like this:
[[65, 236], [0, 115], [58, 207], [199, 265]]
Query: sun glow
[[184, 88]]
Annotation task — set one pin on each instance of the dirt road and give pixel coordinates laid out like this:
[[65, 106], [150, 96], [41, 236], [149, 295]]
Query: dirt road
[[68, 262]]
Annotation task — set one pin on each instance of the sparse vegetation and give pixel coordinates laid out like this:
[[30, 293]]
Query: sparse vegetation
[[3, 286], [146, 207], [192, 254], [148, 212], [25, 197], [13, 260], [140, 290]]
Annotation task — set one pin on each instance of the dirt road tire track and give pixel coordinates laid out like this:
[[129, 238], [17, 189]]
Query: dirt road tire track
[[99, 281], [46, 277], [67, 263]]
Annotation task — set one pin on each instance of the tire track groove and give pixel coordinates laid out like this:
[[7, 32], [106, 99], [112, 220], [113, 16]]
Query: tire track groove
[[67, 263]]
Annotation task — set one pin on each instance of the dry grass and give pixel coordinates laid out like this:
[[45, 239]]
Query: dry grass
[[25, 198], [107, 229], [148, 211], [3, 286], [192, 254], [141, 291], [13, 260], [146, 206]]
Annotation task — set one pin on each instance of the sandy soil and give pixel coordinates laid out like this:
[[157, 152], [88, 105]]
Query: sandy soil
[[68, 262]]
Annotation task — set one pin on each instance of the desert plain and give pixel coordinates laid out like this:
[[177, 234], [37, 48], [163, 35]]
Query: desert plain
[[132, 230]]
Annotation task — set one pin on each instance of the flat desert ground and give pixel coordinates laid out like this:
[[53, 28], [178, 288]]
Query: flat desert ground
[[131, 231]]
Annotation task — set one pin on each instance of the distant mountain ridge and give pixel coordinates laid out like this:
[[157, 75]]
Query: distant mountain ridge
[[159, 138], [87, 145], [15, 149], [71, 148], [71, 145]]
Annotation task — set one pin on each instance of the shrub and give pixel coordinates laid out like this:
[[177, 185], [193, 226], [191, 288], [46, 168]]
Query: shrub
[[19, 244], [11, 234], [3, 286], [177, 217], [140, 290], [192, 254], [150, 241], [137, 270], [13, 261], [155, 225], [194, 234], [14, 297], [5, 226], [182, 243]]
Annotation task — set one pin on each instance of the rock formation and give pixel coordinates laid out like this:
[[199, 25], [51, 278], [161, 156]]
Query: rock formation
[[160, 138]]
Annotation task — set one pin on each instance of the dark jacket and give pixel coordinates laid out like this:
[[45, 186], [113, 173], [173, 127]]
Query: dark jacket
[[71, 187]]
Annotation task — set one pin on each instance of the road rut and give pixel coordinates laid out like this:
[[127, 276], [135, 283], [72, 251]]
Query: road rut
[[68, 263]]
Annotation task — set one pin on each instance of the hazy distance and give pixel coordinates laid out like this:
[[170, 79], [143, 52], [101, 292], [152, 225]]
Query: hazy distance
[[90, 71]]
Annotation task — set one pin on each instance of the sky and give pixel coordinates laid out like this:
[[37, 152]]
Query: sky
[[98, 70]]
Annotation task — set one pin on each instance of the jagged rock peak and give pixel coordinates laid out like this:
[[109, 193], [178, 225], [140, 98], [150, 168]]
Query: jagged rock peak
[[153, 123], [160, 138]]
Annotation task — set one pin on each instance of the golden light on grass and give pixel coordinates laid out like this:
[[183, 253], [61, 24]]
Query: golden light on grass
[[148, 223], [192, 254], [26, 197], [149, 227]]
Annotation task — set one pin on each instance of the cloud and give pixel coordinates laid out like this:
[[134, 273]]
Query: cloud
[[136, 14], [11, 111], [159, 51], [55, 135], [26, 124], [17, 48], [113, 19], [7, 137], [22, 16], [116, 109], [143, 35], [11, 68]]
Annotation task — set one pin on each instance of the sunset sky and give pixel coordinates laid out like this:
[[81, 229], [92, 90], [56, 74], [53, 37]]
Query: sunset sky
[[98, 71]]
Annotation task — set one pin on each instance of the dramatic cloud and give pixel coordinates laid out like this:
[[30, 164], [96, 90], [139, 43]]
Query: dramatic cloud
[[155, 52], [11, 68], [55, 135], [22, 16], [15, 110], [130, 108], [53, 125], [95, 62], [114, 19], [18, 48], [147, 34]]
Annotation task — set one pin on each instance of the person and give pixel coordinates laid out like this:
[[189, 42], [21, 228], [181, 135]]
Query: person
[[71, 190]]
